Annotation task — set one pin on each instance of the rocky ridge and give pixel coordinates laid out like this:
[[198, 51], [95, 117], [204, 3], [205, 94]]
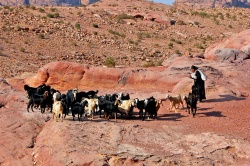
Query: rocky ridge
[[212, 3], [47, 2]]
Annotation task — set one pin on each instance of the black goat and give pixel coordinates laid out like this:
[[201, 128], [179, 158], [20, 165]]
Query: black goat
[[70, 100], [40, 100], [191, 102], [78, 108], [122, 96], [140, 105], [109, 109], [150, 108]]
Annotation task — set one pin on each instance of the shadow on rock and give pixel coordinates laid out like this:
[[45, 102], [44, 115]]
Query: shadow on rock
[[225, 98], [173, 117], [213, 113]]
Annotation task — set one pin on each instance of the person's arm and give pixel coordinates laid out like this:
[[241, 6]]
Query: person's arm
[[193, 75]]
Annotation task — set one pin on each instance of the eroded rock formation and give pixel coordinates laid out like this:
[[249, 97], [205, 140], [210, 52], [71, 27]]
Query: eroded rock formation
[[212, 3], [47, 2]]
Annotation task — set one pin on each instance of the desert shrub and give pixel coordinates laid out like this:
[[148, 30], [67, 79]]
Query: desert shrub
[[41, 10], [172, 39], [116, 33], [200, 46], [196, 23], [56, 15], [33, 7], [180, 22], [170, 45], [22, 49], [77, 26], [51, 15], [159, 62], [230, 26], [109, 62], [147, 35], [124, 16], [41, 36], [18, 28], [178, 41], [142, 35], [79, 13], [177, 52], [222, 17], [74, 44], [234, 18], [95, 25], [95, 33], [6, 7], [148, 64], [53, 9]]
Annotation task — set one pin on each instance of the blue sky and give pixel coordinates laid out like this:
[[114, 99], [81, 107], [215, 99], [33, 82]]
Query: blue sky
[[170, 2]]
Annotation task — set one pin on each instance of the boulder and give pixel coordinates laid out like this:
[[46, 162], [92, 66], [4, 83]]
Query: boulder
[[234, 48]]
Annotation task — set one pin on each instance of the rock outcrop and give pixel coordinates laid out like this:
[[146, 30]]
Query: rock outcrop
[[47, 2], [235, 48], [212, 3]]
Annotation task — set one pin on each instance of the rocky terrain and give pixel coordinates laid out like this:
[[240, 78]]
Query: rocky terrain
[[46, 2], [141, 34], [212, 3], [98, 47]]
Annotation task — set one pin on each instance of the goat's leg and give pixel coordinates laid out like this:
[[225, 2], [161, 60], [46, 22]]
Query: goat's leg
[[61, 117], [171, 106], [28, 106], [115, 116], [194, 111]]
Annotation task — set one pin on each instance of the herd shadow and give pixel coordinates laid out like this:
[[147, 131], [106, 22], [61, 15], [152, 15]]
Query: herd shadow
[[170, 116]]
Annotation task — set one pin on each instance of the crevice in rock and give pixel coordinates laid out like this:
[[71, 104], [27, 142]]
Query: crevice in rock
[[1, 105]]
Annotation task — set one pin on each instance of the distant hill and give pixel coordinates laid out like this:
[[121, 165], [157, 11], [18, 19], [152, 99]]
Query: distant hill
[[212, 3], [46, 2]]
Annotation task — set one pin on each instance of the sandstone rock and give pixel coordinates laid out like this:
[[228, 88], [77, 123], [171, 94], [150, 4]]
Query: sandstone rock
[[212, 3], [47, 2], [235, 45]]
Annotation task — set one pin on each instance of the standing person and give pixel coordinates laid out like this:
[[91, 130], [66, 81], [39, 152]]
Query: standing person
[[199, 83]]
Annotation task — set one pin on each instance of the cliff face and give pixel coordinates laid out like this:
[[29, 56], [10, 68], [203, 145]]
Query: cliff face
[[47, 2], [213, 3]]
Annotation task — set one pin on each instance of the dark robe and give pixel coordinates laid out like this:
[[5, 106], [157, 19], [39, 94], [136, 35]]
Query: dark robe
[[199, 86]]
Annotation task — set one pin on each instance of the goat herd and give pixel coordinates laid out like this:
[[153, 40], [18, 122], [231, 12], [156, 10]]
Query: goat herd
[[85, 104]]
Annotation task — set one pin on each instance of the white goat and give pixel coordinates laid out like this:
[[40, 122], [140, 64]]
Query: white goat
[[57, 110], [92, 106], [125, 106], [175, 101]]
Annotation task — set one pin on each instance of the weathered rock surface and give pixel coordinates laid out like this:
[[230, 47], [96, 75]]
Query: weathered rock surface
[[235, 48], [212, 3], [217, 135]]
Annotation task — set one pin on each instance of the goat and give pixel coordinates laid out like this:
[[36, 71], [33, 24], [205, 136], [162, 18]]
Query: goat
[[57, 110], [39, 100], [191, 102], [78, 108], [140, 105], [174, 101], [109, 109], [151, 107], [92, 106], [70, 100], [125, 107], [122, 96]]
